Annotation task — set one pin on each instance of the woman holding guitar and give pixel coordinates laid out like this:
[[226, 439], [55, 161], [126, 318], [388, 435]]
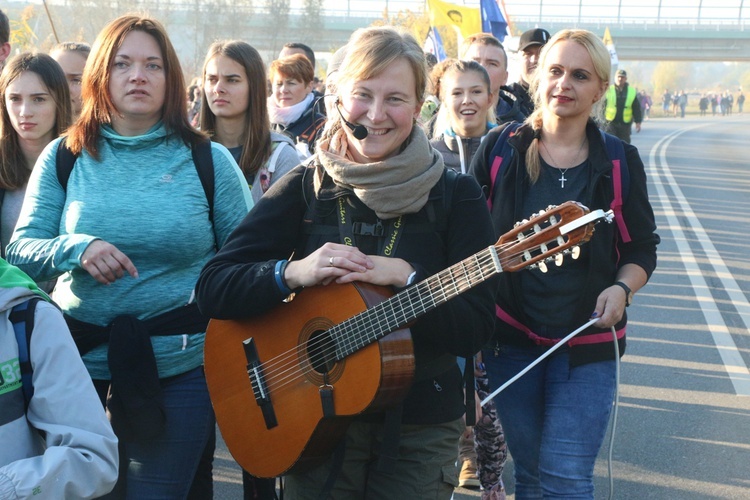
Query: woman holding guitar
[[375, 206], [555, 417]]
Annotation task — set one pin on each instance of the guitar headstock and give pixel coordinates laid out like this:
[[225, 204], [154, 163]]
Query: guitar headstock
[[548, 236]]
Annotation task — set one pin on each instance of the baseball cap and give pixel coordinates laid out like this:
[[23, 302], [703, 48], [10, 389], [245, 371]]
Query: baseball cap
[[537, 36], [622, 72]]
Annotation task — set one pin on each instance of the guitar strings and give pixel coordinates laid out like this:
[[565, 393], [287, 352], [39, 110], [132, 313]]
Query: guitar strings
[[364, 329], [281, 370]]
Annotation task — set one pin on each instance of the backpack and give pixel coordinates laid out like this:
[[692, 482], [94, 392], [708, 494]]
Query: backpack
[[204, 165], [615, 151], [22, 318]]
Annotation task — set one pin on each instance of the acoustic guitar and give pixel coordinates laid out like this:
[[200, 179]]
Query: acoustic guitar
[[284, 385]]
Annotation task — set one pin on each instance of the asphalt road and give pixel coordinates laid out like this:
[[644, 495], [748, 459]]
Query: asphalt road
[[683, 419]]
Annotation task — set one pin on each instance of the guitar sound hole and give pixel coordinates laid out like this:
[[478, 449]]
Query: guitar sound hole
[[321, 351]]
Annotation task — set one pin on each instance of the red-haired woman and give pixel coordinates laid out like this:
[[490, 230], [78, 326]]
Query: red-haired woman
[[129, 233], [291, 106]]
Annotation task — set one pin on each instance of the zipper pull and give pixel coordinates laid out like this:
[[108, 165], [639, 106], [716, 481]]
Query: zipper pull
[[438, 387]]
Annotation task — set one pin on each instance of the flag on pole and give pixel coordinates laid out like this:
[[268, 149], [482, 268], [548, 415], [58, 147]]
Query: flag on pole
[[493, 20], [607, 39], [464, 19], [434, 44]]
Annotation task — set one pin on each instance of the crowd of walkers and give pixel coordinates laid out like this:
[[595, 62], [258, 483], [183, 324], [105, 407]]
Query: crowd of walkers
[[135, 208]]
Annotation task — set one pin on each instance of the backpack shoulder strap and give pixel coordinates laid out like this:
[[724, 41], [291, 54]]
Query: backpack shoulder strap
[[64, 161], [22, 318], [204, 164], [501, 151], [620, 181]]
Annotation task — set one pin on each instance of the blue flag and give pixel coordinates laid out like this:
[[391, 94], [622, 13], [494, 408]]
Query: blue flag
[[493, 20], [434, 44]]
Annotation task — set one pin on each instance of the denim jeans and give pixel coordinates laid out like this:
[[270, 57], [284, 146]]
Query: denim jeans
[[168, 466], [555, 418]]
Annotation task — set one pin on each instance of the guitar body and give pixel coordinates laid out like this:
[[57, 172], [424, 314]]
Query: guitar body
[[375, 377]]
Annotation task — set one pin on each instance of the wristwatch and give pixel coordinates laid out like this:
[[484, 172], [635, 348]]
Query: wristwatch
[[628, 292]]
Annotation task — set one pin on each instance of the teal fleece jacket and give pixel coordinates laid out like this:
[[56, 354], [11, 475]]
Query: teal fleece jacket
[[144, 196]]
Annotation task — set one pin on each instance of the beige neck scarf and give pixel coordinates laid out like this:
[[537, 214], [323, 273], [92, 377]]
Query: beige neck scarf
[[396, 186]]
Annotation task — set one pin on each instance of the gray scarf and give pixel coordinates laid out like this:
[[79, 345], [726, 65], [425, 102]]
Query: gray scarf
[[392, 187]]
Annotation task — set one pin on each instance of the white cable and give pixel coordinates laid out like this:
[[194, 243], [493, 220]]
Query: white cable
[[537, 361], [614, 415]]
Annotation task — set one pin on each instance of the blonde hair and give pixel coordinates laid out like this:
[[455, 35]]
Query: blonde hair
[[370, 51], [602, 66]]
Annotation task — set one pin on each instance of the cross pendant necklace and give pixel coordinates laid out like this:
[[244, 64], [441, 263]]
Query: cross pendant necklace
[[562, 178]]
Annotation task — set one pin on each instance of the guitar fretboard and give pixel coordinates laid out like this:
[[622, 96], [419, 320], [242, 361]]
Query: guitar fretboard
[[406, 306]]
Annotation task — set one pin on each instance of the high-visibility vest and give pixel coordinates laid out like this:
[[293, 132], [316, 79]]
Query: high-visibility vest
[[611, 111]]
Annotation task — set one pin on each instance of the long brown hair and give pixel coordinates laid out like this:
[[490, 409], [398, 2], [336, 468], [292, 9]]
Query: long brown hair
[[13, 171], [97, 102], [256, 134]]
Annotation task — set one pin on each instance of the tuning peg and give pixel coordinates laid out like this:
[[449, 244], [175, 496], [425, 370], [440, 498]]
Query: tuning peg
[[575, 252], [542, 266], [558, 259]]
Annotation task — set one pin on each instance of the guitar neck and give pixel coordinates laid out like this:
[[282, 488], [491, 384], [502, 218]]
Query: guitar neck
[[409, 304]]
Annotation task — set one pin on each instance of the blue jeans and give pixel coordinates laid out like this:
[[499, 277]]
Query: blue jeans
[[178, 463], [554, 417]]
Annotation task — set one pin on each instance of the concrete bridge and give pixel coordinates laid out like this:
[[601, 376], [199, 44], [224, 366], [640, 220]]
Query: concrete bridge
[[696, 30]]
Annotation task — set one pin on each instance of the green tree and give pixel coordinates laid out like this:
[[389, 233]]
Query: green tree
[[277, 30], [311, 24], [672, 75]]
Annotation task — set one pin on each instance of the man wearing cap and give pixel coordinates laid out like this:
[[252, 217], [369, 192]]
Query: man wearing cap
[[621, 108], [530, 45]]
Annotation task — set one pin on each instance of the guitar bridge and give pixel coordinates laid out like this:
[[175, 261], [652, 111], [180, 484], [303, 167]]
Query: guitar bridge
[[258, 383]]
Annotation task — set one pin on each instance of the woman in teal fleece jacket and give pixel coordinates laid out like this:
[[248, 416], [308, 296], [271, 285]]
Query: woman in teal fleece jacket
[[129, 235]]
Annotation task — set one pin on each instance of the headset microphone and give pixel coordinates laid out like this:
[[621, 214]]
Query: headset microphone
[[358, 131]]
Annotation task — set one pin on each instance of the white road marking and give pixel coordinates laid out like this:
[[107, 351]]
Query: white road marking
[[730, 355]]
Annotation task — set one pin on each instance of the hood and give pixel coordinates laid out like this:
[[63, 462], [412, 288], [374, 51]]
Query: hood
[[10, 297], [16, 286], [276, 137]]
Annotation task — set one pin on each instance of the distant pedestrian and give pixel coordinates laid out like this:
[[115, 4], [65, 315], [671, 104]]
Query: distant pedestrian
[[740, 101], [666, 102], [621, 108]]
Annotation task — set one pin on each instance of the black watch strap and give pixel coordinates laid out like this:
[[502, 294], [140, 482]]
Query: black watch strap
[[628, 292]]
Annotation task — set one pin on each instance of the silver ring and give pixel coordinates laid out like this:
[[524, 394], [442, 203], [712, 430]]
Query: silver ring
[[330, 261]]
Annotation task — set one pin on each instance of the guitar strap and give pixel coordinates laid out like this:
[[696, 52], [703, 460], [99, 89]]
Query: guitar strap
[[349, 230]]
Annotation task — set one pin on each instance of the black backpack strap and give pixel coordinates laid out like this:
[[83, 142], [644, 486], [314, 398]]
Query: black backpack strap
[[22, 318], [204, 164], [64, 161]]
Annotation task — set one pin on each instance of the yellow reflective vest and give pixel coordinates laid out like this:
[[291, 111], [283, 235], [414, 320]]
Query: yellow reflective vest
[[611, 110]]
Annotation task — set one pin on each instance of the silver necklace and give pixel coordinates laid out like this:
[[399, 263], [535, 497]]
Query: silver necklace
[[562, 178]]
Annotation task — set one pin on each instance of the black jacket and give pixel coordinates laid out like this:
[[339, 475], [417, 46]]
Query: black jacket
[[525, 102], [305, 128], [605, 252], [239, 281], [447, 145]]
